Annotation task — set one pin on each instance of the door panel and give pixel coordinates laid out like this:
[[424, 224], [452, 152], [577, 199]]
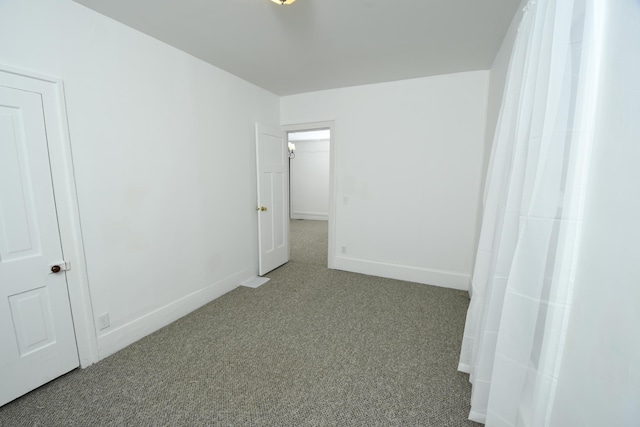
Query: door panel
[[20, 240], [277, 201], [273, 200], [36, 329], [267, 244], [32, 320]]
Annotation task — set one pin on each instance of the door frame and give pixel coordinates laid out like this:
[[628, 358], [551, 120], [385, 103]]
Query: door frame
[[64, 187], [331, 223]]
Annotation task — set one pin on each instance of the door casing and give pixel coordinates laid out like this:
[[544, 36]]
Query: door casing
[[62, 174]]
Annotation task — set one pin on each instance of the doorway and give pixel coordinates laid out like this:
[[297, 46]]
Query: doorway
[[309, 195], [312, 192]]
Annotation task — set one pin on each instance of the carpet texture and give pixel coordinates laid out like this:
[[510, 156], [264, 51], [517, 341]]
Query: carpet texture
[[312, 347]]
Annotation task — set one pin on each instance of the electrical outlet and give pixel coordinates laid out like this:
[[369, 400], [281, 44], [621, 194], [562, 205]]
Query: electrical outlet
[[103, 321], [344, 250]]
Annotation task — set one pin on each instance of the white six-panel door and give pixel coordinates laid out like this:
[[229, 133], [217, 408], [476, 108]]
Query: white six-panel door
[[37, 341], [273, 198]]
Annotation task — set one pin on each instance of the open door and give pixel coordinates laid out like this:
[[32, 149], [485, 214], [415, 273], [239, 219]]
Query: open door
[[37, 339], [273, 198]]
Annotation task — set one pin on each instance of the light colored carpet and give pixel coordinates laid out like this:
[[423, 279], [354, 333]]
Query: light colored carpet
[[309, 242], [312, 347]]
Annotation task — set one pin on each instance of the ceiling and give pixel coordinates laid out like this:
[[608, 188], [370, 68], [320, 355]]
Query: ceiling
[[323, 44]]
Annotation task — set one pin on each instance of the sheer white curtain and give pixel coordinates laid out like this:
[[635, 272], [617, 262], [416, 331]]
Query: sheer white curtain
[[524, 275]]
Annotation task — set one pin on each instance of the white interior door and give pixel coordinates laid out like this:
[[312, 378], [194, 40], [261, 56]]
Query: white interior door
[[273, 198], [37, 341]]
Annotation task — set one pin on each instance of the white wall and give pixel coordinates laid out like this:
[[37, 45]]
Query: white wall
[[309, 177], [599, 383], [497, 82], [408, 170], [163, 148]]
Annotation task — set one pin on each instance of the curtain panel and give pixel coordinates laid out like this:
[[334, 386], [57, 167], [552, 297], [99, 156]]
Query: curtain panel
[[523, 279]]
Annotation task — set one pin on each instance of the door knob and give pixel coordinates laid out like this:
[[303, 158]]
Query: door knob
[[263, 208], [55, 269]]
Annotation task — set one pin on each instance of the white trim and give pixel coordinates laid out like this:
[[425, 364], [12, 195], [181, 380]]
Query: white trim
[[331, 219], [464, 367], [302, 141], [61, 160], [478, 417], [441, 278], [120, 337], [312, 216]]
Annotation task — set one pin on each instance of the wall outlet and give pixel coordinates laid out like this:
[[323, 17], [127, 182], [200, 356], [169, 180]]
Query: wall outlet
[[343, 250], [103, 321]]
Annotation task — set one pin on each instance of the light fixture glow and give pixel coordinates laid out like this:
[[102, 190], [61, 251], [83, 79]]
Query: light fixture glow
[[281, 2]]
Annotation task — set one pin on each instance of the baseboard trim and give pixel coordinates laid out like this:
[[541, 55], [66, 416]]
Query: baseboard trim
[[441, 278], [465, 368], [313, 216], [122, 336], [478, 417]]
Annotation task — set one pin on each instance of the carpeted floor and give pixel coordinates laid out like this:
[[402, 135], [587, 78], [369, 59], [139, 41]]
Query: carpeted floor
[[312, 347], [309, 241]]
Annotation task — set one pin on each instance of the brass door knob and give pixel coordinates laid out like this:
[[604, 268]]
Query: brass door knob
[[262, 208]]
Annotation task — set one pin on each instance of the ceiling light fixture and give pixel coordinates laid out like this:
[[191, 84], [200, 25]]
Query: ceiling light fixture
[[281, 2]]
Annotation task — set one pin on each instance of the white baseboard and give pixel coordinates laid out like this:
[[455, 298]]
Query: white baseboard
[[478, 417], [463, 367], [122, 336], [313, 216], [445, 279]]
